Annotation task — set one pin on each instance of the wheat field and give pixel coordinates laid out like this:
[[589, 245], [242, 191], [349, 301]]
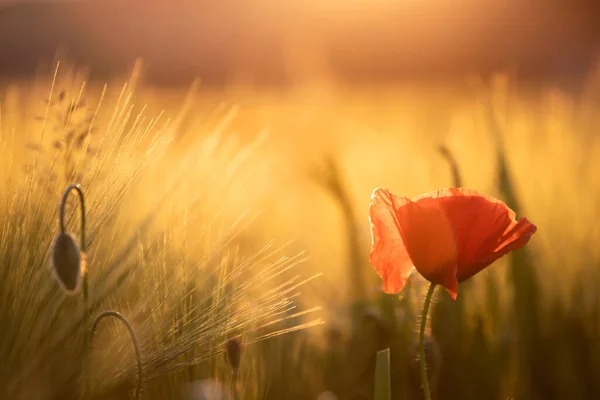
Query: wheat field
[[243, 213]]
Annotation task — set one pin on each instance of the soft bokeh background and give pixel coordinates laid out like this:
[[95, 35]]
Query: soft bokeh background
[[294, 112]]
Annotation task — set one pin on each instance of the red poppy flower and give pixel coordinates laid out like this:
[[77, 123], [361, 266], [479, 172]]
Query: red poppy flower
[[448, 236]]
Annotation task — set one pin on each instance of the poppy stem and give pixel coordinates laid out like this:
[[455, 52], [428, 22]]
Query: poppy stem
[[422, 361], [234, 379], [63, 205], [134, 340], [82, 238]]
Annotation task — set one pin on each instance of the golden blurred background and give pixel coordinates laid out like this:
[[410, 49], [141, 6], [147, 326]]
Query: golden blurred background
[[268, 102], [280, 42]]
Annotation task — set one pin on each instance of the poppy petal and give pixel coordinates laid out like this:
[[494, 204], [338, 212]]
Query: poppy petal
[[485, 227], [517, 237], [430, 241], [406, 234], [388, 255]]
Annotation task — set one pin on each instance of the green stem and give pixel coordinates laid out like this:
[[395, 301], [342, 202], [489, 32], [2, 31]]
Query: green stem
[[82, 244], [234, 393], [422, 361], [63, 204], [134, 340]]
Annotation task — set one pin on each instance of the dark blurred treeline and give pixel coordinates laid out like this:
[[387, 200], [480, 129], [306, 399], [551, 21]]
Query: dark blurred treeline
[[356, 41]]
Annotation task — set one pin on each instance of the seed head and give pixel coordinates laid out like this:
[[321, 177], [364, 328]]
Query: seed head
[[233, 351], [67, 262]]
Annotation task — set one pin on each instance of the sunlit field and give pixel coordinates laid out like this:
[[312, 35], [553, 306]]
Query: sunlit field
[[243, 213]]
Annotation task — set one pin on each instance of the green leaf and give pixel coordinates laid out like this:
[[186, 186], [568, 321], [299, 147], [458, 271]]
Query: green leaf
[[383, 389]]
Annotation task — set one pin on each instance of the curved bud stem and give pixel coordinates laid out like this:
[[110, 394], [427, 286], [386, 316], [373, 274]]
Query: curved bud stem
[[422, 361], [63, 204], [134, 340]]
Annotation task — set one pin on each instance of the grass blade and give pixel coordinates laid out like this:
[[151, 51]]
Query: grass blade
[[383, 389]]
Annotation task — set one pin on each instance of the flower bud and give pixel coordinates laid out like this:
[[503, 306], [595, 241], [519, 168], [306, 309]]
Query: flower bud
[[67, 262], [233, 351]]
